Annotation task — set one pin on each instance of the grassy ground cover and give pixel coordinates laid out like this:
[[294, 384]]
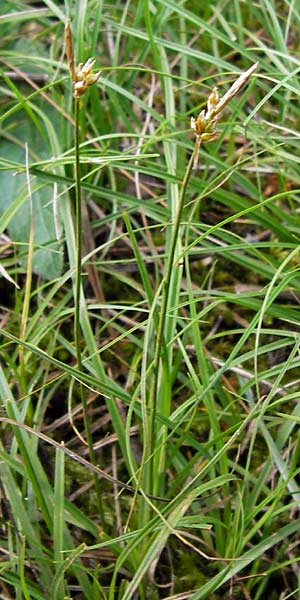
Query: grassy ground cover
[[149, 301]]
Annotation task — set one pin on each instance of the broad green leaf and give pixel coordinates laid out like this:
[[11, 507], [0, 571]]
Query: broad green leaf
[[48, 256]]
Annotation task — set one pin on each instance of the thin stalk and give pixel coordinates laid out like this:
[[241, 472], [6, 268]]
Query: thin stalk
[[78, 292], [28, 282], [162, 317], [78, 211]]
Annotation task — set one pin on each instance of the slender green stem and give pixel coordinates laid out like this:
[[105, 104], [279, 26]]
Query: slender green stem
[[77, 330], [162, 318], [78, 292]]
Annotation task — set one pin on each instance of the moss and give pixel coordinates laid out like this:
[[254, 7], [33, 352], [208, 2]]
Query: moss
[[189, 572], [152, 592]]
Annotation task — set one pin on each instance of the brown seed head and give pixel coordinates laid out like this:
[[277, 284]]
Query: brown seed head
[[82, 75], [204, 126], [69, 49]]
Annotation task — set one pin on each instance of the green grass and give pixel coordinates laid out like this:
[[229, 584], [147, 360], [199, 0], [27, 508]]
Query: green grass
[[154, 451]]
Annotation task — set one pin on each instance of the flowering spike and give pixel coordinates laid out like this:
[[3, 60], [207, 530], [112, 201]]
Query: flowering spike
[[235, 88], [82, 75], [212, 101], [204, 125], [69, 49]]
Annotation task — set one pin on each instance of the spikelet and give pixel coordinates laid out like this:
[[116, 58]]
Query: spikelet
[[82, 75], [204, 126]]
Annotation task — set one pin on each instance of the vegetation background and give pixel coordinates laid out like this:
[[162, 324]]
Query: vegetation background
[[183, 381]]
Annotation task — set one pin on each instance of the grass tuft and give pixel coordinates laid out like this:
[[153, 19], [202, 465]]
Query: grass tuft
[[149, 376]]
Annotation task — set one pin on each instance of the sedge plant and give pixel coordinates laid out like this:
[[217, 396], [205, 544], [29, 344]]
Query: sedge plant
[[204, 431], [204, 127], [82, 78]]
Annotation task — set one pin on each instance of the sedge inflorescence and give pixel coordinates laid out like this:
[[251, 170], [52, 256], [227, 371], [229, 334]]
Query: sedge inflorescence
[[82, 75], [204, 126]]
